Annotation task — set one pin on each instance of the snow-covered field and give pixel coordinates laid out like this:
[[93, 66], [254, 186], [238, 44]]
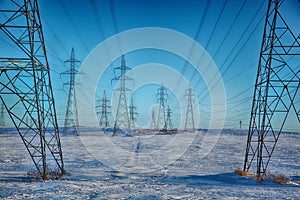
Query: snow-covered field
[[148, 169]]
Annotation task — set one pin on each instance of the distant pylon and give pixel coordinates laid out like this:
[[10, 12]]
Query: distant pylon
[[132, 114], [153, 121], [189, 117], [104, 111], [276, 89], [122, 118], [2, 120], [71, 118], [168, 120], [161, 97], [240, 124], [26, 89]]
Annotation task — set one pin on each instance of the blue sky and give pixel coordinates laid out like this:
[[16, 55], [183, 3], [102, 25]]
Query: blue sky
[[74, 23]]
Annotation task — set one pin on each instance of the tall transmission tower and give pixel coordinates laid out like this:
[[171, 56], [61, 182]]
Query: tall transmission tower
[[169, 124], [276, 88], [71, 118], [132, 114], [2, 120], [122, 118], [161, 97], [153, 121], [189, 117], [104, 111], [25, 87]]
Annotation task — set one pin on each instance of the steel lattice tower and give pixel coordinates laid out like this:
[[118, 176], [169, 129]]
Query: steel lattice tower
[[71, 118], [153, 121], [276, 89], [169, 124], [132, 114], [104, 106], [2, 120], [162, 101], [189, 117], [122, 118], [26, 90]]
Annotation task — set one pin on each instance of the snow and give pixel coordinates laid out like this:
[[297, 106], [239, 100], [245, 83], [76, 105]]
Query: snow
[[187, 174]]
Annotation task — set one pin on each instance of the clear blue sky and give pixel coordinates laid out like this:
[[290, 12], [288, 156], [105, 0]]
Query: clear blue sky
[[74, 23]]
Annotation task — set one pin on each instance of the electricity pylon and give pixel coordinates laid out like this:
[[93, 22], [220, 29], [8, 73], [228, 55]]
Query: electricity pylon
[[132, 114], [122, 118], [2, 120], [169, 124], [104, 111], [26, 90], [161, 97], [153, 121], [276, 88], [189, 117], [71, 118]]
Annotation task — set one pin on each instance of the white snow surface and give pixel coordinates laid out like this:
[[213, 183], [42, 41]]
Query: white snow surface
[[190, 176]]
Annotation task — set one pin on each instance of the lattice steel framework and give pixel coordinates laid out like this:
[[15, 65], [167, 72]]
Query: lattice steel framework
[[276, 89], [162, 97], [132, 114], [122, 117], [189, 117], [169, 123], [71, 118], [153, 121], [104, 111], [26, 90]]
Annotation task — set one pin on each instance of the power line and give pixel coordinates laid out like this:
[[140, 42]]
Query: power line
[[202, 20], [226, 35], [235, 46], [113, 12], [73, 25], [98, 19]]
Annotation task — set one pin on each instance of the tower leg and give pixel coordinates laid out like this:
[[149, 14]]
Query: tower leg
[[276, 88], [26, 89]]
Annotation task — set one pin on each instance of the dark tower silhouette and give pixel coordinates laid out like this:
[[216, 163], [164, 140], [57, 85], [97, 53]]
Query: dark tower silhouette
[[122, 117], [153, 121], [189, 117], [169, 123], [132, 114], [71, 118], [276, 89], [104, 111], [26, 89], [161, 97]]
